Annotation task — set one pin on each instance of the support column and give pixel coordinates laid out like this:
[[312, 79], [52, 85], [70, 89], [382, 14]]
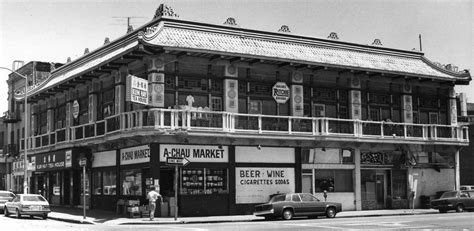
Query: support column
[[93, 91], [297, 94], [355, 103], [357, 180], [457, 179], [407, 103], [120, 79], [50, 115], [156, 81], [231, 92], [453, 118]]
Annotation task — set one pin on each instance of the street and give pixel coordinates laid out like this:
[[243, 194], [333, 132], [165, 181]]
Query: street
[[406, 222]]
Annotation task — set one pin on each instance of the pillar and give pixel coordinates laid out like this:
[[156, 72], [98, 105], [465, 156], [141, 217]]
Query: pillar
[[120, 79], [357, 180], [457, 179], [93, 91], [51, 104], [453, 118], [156, 81], [296, 102], [355, 105], [407, 103], [231, 91]]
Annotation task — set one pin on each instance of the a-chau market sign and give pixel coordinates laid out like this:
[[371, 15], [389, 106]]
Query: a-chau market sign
[[281, 92], [52, 161], [195, 153], [137, 90], [135, 155]]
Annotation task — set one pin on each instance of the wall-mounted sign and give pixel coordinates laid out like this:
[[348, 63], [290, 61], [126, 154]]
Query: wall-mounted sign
[[104, 159], [135, 155], [195, 153], [137, 90], [251, 154], [255, 185], [281, 92], [75, 109], [50, 161]]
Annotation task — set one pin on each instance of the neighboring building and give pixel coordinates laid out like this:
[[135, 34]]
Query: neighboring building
[[467, 153], [254, 112], [3, 158]]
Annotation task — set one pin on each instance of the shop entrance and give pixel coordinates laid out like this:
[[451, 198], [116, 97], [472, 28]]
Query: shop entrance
[[374, 188]]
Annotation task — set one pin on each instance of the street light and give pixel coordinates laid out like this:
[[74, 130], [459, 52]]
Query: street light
[[25, 180]]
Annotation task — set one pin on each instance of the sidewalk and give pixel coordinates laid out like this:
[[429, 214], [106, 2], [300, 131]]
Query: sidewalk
[[75, 215]]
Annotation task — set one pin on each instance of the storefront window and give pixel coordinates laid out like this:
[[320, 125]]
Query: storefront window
[[333, 180], [131, 182], [203, 181], [109, 179], [56, 184], [96, 183]]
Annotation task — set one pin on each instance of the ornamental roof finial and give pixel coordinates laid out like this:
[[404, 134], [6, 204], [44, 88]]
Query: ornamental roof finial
[[333, 35], [377, 42], [285, 29], [230, 22], [165, 11], [106, 40]]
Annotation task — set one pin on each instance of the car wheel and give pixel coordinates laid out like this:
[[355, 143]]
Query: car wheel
[[330, 212], [5, 211], [45, 216], [17, 213], [443, 210], [287, 214], [459, 208]]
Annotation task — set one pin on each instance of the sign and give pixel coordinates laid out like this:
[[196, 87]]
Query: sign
[[68, 158], [281, 92], [251, 154], [104, 159], [75, 109], [195, 153], [135, 155], [83, 162], [137, 90], [177, 161], [255, 185], [50, 161]]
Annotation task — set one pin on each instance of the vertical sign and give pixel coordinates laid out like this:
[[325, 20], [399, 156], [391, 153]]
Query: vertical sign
[[137, 90]]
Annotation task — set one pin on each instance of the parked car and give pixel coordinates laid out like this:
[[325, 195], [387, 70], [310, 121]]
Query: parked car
[[467, 187], [454, 200], [27, 204], [290, 205], [4, 197]]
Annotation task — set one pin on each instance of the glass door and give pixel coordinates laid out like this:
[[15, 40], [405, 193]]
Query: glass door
[[381, 190]]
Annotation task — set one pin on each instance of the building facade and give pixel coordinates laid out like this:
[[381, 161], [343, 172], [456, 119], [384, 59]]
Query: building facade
[[254, 112]]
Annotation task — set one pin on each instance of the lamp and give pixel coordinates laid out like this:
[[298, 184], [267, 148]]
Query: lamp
[[25, 159]]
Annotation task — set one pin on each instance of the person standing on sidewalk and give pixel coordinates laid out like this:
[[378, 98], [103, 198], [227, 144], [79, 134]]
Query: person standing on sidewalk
[[153, 196]]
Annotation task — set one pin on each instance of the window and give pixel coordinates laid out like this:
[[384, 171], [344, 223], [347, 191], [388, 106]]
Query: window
[[131, 182], [216, 103], [105, 104], [375, 114], [319, 110], [203, 181], [109, 180], [333, 180], [433, 118], [60, 116], [96, 183], [255, 107], [295, 198], [307, 197], [327, 156]]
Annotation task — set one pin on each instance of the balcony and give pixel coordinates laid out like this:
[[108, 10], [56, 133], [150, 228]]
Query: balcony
[[11, 149], [211, 123], [11, 117]]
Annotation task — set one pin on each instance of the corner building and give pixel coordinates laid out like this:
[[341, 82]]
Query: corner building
[[254, 112]]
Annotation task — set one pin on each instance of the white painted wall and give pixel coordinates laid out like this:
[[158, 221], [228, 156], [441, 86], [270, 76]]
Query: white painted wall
[[346, 199], [431, 181]]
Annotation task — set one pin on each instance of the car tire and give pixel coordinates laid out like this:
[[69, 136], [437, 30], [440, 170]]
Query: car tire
[[443, 211], [331, 212], [287, 214], [459, 208], [45, 216], [5, 211], [17, 213]]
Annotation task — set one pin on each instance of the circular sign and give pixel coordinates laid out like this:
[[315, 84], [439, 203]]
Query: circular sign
[[281, 92], [75, 109]]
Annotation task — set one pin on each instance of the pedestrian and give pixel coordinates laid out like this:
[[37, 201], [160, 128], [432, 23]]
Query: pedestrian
[[153, 196]]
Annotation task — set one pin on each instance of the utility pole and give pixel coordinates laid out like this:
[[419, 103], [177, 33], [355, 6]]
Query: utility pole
[[419, 38], [120, 21]]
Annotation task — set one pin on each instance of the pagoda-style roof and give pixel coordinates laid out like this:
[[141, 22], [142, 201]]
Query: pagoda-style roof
[[172, 34]]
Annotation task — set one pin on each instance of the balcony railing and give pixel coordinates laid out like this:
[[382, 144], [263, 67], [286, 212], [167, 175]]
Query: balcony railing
[[233, 123]]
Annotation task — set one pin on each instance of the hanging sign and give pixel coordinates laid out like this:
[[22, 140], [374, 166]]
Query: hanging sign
[[137, 90], [195, 153], [75, 109], [135, 155], [281, 92]]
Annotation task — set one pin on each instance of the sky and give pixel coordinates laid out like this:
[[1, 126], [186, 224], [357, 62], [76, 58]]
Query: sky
[[53, 30]]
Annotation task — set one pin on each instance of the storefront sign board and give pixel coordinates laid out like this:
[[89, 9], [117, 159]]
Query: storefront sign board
[[137, 90], [251, 154], [104, 159], [255, 185], [50, 161], [281, 92], [135, 155], [195, 153]]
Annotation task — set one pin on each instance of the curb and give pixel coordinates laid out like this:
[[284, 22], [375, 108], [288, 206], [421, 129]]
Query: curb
[[86, 222]]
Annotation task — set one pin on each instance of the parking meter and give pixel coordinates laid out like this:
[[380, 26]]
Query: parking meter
[[325, 195]]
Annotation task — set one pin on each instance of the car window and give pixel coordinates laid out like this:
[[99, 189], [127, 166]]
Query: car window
[[308, 197], [33, 198], [463, 194], [278, 198], [7, 194], [16, 199], [295, 198], [449, 194]]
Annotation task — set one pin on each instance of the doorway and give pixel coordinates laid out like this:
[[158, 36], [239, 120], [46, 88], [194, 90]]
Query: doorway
[[374, 188]]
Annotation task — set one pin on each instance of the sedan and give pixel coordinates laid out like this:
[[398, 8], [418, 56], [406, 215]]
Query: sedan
[[27, 204], [454, 200], [289, 205], [4, 197]]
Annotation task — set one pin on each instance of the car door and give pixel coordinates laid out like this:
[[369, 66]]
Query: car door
[[469, 204], [297, 204], [311, 204], [11, 206]]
